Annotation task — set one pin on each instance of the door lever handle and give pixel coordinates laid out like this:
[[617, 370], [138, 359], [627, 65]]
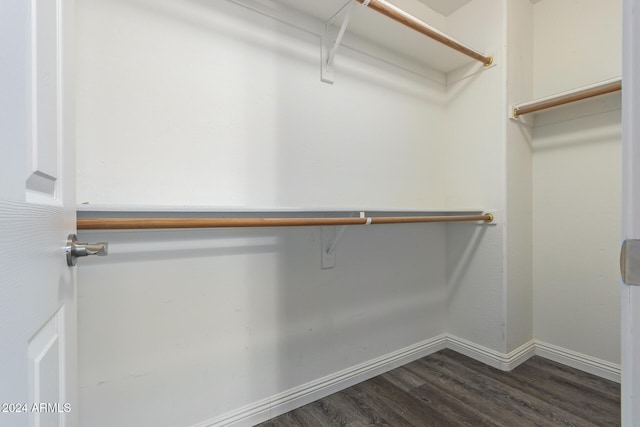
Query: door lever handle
[[74, 249]]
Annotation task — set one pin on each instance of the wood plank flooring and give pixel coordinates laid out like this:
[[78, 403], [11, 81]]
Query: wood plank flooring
[[449, 389]]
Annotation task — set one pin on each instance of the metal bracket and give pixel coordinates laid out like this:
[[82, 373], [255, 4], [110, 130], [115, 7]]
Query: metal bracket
[[630, 262], [332, 38]]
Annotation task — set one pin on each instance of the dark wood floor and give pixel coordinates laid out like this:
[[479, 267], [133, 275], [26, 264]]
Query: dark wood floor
[[449, 389]]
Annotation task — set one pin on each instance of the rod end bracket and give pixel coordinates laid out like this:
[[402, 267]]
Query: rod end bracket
[[491, 217]]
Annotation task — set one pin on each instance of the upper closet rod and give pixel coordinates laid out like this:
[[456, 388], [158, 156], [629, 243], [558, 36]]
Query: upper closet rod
[[607, 86], [414, 23], [162, 223]]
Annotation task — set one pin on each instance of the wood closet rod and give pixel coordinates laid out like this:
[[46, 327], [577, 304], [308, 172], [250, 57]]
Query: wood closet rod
[[414, 23], [568, 97], [163, 223]]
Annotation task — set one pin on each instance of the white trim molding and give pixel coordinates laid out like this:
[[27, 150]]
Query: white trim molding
[[296, 397], [502, 361], [507, 362], [582, 362]]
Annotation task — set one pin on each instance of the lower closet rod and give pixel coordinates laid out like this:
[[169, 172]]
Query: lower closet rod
[[159, 223]]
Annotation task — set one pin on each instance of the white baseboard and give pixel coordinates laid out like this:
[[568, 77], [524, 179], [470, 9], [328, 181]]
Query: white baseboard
[[502, 361], [296, 397], [582, 362], [507, 362]]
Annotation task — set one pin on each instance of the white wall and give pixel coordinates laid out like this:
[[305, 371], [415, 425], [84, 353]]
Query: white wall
[[212, 104], [576, 43], [206, 103], [476, 176], [179, 327], [576, 170], [519, 287]]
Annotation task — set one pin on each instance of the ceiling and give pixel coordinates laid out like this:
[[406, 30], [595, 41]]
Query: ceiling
[[444, 7]]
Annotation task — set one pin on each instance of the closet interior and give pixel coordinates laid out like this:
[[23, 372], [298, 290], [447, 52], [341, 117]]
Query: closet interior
[[234, 154]]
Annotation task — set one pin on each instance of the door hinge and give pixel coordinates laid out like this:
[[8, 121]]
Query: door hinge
[[630, 262]]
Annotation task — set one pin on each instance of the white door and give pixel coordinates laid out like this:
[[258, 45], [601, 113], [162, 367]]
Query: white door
[[37, 289], [630, 295]]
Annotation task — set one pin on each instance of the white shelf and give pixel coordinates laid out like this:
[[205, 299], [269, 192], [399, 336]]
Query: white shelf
[[571, 107], [85, 210], [376, 35]]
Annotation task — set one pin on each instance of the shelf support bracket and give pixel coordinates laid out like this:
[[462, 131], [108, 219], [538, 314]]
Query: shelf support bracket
[[332, 38], [330, 237], [337, 236]]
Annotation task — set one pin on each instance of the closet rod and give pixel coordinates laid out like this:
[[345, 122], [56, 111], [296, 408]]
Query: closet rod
[[414, 23], [602, 88], [162, 223]]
